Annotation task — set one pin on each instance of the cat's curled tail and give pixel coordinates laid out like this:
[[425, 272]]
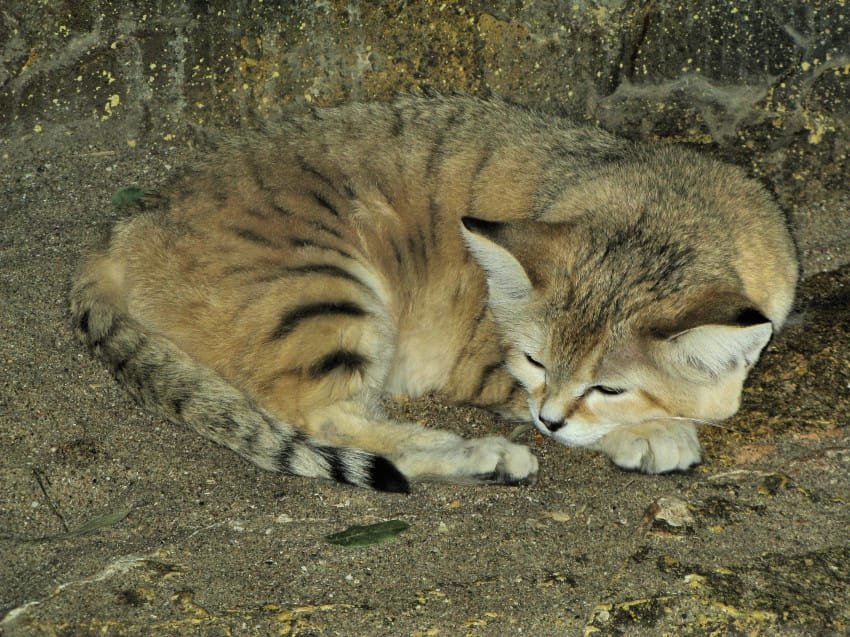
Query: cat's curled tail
[[165, 379]]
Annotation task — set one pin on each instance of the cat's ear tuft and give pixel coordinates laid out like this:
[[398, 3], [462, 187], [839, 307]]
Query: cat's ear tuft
[[507, 280], [718, 349]]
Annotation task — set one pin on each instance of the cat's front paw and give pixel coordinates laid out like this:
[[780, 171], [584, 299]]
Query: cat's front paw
[[496, 460], [653, 447]]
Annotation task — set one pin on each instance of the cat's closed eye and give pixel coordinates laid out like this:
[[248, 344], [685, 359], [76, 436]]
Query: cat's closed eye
[[608, 391]]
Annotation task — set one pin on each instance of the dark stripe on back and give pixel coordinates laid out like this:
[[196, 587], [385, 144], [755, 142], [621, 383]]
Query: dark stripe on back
[[256, 173], [326, 183], [322, 201], [341, 359], [283, 212], [325, 269], [486, 156], [437, 155], [318, 225], [434, 212], [254, 237], [300, 242], [308, 168], [291, 319]]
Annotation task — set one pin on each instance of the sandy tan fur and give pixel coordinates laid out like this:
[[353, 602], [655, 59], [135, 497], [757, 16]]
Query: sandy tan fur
[[308, 270]]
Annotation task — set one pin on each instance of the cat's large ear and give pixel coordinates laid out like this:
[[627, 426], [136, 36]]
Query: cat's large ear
[[719, 349], [507, 280]]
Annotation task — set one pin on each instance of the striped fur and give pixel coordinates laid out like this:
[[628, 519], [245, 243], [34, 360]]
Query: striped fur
[[169, 382], [597, 288]]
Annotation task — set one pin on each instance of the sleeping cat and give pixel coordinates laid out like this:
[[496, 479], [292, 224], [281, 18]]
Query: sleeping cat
[[612, 293]]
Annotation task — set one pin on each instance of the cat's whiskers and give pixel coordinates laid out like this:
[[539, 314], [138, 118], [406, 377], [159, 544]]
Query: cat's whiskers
[[697, 421]]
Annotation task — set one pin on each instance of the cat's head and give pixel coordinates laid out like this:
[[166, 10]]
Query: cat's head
[[605, 330]]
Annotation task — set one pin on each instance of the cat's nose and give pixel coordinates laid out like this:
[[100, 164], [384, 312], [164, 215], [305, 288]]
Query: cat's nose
[[551, 425]]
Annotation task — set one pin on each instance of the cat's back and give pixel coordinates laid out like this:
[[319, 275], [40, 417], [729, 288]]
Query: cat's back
[[385, 185]]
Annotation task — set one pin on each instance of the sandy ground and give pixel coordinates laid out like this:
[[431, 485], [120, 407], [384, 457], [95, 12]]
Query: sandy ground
[[113, 522]]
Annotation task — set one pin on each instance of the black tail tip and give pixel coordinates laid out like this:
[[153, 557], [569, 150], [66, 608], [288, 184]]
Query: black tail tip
[[383, 476]]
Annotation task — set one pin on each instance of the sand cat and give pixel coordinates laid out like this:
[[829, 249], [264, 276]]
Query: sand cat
[[611, 293]]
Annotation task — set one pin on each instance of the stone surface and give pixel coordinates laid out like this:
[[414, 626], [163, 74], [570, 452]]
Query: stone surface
[[95, 97]]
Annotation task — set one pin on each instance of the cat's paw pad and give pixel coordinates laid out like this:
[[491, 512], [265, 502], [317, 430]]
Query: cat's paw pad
[[654, 447], [496, 460]]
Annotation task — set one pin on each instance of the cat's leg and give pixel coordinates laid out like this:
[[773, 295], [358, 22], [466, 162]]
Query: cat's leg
[[655, 446], [327, 353], [479, 377], [333, 396], [422, 453]]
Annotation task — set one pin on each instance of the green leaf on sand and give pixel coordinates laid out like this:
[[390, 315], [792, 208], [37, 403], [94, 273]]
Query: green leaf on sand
[[127, 197], [358, 535]]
